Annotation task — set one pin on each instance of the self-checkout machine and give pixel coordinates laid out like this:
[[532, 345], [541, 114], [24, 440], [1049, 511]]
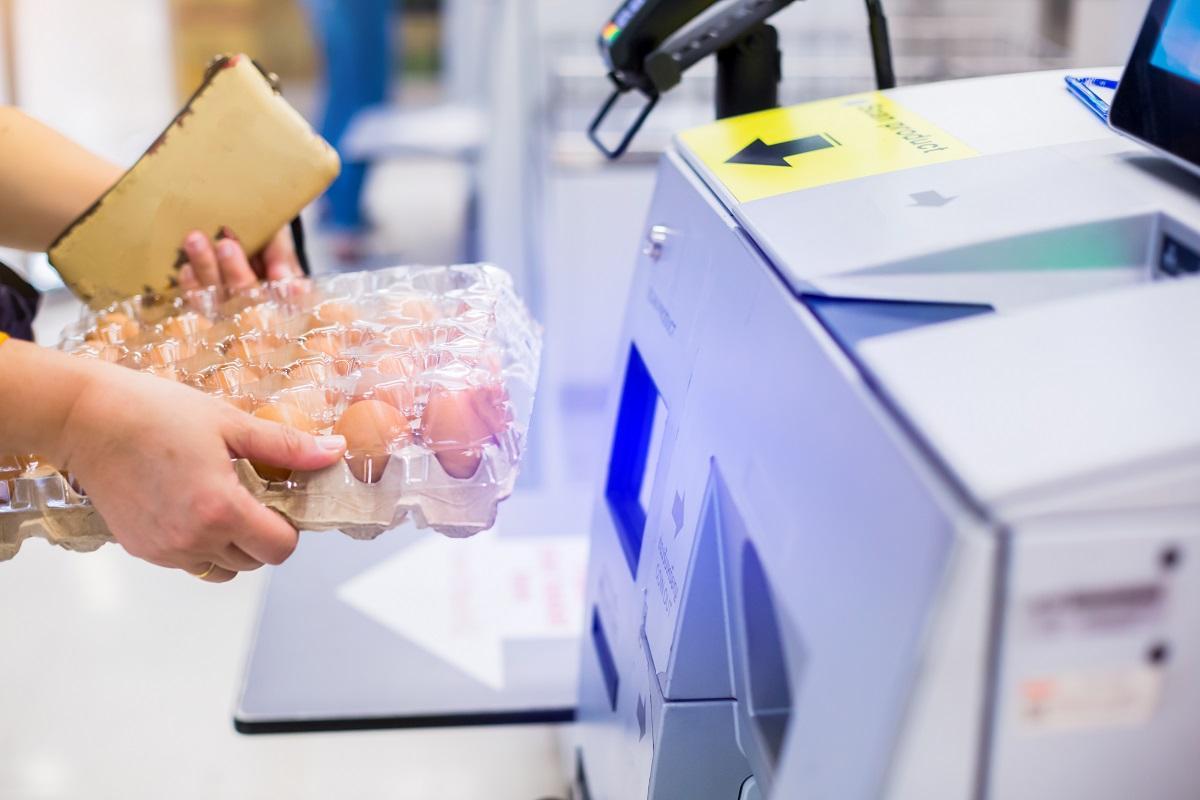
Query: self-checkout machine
[[904, 492]]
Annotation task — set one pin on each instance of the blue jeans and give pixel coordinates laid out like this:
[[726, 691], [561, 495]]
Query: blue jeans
[[356, 38]]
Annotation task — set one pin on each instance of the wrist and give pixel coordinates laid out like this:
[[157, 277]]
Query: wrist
[[42, 389], [74, 422]]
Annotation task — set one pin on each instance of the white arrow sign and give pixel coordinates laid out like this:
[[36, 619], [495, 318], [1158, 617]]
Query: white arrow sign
[[461, 599]]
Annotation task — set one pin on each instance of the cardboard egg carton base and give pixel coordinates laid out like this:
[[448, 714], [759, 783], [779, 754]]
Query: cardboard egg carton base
[[44, 505]]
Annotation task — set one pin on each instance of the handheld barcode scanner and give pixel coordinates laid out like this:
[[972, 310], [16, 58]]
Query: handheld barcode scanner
[[649, 44]]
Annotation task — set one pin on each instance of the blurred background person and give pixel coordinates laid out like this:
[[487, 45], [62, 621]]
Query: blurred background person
[[355, 37]]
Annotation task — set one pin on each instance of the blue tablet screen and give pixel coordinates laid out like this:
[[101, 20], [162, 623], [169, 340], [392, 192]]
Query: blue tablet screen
[[1178, 49]]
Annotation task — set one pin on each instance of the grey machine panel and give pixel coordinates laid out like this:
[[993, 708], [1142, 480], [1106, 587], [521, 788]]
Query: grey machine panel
[[903, 500]]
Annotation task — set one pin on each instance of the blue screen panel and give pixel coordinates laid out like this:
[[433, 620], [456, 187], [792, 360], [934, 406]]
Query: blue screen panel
[[1178, 48]]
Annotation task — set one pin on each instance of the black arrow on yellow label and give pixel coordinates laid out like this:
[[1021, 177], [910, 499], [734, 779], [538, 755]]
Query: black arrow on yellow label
[[775, 155]]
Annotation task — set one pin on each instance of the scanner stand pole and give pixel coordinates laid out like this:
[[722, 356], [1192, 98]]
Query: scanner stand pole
[[749, 72]]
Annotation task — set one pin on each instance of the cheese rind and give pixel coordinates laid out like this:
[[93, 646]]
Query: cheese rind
[[238, 156]]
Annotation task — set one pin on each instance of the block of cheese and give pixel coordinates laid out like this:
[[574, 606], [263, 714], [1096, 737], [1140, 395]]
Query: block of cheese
[[237, 156]]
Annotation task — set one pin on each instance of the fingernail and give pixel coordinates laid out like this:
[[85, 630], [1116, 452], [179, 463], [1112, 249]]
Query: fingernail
[[194, 240], [226, 248], [334, 444]]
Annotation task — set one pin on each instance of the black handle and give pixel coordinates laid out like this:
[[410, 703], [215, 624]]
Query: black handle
[[881, 45], [602, 114]]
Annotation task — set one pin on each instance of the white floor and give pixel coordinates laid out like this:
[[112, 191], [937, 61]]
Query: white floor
[[117, 680]]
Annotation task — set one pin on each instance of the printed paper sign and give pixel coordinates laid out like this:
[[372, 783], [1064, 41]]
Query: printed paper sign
[[789, 149]]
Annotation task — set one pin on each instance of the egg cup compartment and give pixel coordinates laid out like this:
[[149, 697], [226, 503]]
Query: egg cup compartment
[[429, 371], [42, 503]]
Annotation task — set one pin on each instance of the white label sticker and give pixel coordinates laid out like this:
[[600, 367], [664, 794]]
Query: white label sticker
[[1071, 701]]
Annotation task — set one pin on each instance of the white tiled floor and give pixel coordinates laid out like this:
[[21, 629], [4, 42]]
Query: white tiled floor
[[117, 680]]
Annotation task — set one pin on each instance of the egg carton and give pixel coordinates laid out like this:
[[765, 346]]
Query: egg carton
[[429, 372]]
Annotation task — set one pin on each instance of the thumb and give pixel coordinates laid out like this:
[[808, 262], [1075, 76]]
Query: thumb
[[278, 445]]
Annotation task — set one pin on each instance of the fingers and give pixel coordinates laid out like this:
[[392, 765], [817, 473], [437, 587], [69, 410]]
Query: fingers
[[187, 278], [275, 445], [226, 263], [228, 564], [235, 269], [232, 530], [279, 257], [267, 537], [236, 559], [202, 259], [211, 573]]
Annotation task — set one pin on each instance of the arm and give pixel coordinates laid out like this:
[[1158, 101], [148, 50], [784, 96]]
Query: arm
[[46, 181], [153, 457]]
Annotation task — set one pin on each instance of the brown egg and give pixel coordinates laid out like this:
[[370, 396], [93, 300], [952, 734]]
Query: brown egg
[[397, 393], [371, 428], [329, 341], [417, 308], [10, 470], [10, 467], [253, 346], [239, 401], [33, 462], [312, 399], [291, 289], [110, 352], [186, 326], [334, 312], [397, 364], [458, 423], [284, 414], [411, 337], [258, 318], [220, 335], [236, 304], [300, 325], [161, 354], [334, 340], [229, 378], [197, 367], [105, 334], [117, 327], [167, 371]]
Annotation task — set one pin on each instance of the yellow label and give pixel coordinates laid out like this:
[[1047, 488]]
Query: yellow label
[[788, 149]]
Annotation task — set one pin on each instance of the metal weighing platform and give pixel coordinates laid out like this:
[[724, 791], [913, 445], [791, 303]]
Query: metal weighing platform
[[416, 630]]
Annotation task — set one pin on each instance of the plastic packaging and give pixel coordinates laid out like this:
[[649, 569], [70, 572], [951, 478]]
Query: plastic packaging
[[429, 372]]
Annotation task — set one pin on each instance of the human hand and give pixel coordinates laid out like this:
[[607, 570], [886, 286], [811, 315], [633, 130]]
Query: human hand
[[225, 263], [154, 458]]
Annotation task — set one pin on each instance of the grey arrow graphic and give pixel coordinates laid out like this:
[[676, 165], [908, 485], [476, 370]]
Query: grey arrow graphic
[[677, 513], [931, 199]]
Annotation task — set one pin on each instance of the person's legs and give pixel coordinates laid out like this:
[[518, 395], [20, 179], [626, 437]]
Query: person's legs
[[355, 36]]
